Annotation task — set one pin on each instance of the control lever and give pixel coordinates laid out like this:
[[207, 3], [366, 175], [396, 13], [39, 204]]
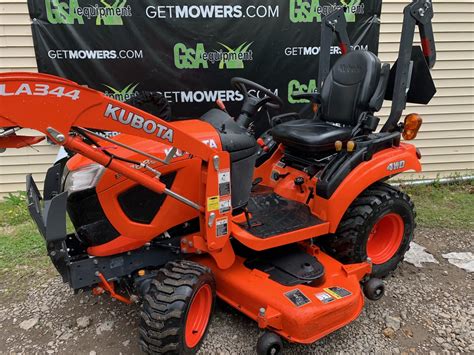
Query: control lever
[[220, 104], [299, 181], [350, 146], [277, 176], [257, 181]]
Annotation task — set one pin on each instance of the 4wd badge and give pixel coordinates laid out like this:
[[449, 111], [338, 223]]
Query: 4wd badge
[[396, 165]]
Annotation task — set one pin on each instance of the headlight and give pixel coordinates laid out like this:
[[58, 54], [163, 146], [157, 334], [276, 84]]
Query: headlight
[[83, 178]]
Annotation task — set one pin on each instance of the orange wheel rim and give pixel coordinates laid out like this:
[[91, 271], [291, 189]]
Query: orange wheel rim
[[198, 316], [385, 238]]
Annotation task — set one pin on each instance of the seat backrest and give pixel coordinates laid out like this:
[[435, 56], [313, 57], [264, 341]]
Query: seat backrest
[[351, 85]]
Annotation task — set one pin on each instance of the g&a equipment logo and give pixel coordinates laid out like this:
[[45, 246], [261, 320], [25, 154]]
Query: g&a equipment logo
[[295, 87], [197, 57], [122, 95], [70, 12], [314, 10]]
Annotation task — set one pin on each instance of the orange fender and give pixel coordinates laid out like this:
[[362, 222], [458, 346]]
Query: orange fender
[[383, 164]]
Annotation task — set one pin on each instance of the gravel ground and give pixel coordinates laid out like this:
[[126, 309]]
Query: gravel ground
[[428, 309]]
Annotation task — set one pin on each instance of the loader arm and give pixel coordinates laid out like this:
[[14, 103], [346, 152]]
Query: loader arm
[[59, 108], [42, 102]]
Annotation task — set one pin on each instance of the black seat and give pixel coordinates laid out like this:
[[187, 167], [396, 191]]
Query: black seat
[[355, 85], [310, 135]]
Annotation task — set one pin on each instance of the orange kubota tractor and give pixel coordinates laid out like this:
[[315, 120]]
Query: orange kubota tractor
[[292, 229]]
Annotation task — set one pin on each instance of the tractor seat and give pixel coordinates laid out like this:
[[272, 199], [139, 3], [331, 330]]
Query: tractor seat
[[355, 85], [310, 135]]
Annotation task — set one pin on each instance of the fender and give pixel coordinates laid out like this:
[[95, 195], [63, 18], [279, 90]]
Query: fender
[[383, 164]]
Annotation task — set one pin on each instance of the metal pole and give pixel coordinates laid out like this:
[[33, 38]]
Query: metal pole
[[182, 199], [126, 146]]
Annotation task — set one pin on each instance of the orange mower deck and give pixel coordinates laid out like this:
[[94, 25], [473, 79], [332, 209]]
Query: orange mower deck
[[300, 313]]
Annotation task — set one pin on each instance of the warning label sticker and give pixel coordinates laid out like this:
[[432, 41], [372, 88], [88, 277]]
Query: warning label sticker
[[224, 204], [213, 203], [324, 297], [222, 227], [332, 293], [224, 182], [297, 297], [337, 292]]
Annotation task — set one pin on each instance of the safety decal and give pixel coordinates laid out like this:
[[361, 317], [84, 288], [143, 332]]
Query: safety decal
[[337, 292], [324, 297], [297, 297], [224, 204], [212, 203], [224, 182], [222, 227]]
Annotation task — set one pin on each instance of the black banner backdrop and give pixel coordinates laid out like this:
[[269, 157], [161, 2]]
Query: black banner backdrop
[[189, 50]]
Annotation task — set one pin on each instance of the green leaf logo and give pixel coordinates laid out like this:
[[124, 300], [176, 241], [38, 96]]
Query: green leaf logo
[[234, 58], [350, 4], [111, 16], [124, 94]]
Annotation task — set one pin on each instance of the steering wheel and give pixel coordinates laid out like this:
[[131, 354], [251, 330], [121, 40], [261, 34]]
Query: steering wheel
[[252, 104]]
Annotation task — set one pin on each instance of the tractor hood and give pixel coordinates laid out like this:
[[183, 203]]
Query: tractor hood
[[199, 129]]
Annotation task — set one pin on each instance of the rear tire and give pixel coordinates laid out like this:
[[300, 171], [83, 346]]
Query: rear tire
[[177, 308], [379, 224]]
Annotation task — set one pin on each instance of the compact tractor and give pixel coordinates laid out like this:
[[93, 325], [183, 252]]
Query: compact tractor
[[292, 229]]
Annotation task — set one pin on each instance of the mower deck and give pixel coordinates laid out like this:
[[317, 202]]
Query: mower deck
[[301, 313]]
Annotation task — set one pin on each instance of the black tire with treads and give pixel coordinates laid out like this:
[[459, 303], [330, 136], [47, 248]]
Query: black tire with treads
[[165, 305], [349, 243]]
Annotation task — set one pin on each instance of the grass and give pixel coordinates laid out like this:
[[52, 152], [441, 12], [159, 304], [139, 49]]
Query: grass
[[447, 205], [20, 242], [13, 210], [23, 258]]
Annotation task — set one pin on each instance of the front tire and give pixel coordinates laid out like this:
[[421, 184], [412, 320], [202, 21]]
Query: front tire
[[176, 309], [269, 344], [378, 225], [374, 289]]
